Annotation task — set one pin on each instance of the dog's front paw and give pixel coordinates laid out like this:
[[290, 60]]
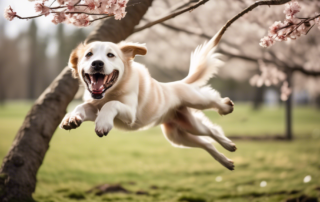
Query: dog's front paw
[[71, 121], [227, 106], [103, 127]]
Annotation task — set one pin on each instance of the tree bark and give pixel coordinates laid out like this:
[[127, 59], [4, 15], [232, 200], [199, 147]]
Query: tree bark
[[20, 166], [258, 97], [288, 112]]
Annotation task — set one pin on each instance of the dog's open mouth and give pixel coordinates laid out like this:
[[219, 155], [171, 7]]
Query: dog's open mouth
[[98, 83]]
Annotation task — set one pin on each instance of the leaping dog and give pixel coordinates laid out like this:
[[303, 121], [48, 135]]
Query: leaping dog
[[124, 95]]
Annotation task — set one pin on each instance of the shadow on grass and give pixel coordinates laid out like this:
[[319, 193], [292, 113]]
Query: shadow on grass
[[191, 199], [110, 192]]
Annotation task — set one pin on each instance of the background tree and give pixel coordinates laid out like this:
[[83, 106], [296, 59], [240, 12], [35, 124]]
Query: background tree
[[244, 57]]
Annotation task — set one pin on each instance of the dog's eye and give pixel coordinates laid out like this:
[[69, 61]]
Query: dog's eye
[[89, 54], [110, 55]]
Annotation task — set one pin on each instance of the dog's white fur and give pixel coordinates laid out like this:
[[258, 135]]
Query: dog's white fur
[[137, 101]]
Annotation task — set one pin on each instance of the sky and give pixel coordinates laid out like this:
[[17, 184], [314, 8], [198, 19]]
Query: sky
[[25, 8]]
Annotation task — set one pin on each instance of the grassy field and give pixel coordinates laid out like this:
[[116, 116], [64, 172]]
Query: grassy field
[[144, 161]]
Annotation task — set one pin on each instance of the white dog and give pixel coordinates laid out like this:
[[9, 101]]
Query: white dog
[[124, 95]]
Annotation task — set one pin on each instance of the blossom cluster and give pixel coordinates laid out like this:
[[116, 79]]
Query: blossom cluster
[[271, 75], [292, 27], [285, 91], [80, 13]]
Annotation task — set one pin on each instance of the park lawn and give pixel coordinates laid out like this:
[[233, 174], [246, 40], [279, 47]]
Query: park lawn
[[145, 161]]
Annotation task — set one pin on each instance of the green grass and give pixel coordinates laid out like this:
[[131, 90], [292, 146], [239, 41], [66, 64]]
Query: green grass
[[79, 160]]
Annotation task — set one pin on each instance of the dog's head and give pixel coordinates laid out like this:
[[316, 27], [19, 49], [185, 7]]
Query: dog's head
[[102, 65]]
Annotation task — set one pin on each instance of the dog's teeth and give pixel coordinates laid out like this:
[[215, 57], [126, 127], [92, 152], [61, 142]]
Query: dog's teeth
[[110, 77], [105, 79]]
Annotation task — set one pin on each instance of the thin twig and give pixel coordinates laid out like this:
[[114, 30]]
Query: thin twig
[[79, 12], [58, 7], [186, 31], [309, 29], [100, 18], [133, 4], [182, 5], [27, 18], [77, 3], [52, 3], [283, 67]]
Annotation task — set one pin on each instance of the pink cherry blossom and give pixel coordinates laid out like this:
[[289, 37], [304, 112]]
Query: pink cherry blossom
[[111, 8], [70, 7], [101, 8], [271, 75], [91, 4], [81, 20], [275, 27], [71, 2], [285, 91], [77, 12], [281, 35], [9, 14], [61, 2], [122, 3], [292, 21], [40, 7], [292, 27], [291, 9], [59, 18], [317, 20], [119, 13], [266, 41]]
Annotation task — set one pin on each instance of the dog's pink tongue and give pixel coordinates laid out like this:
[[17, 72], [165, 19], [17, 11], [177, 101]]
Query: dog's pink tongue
[[97, 82]]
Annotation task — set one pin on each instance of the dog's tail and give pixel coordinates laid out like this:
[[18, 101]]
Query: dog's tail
[[204, 63]]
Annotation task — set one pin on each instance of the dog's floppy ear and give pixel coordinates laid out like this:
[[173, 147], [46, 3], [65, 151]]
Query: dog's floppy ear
[[73, 60], [130, 50]]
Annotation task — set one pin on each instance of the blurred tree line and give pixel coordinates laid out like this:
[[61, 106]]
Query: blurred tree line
[[25, 68], [171, 43]]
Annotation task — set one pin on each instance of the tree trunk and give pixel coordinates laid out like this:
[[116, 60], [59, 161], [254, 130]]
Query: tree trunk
[[20, 166], [33, 67], [289, 111], [258, 97]]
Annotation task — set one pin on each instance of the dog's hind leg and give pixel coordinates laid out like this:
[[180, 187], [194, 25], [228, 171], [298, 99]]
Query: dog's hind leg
[[204, 98], [180, 138], [196, 123]]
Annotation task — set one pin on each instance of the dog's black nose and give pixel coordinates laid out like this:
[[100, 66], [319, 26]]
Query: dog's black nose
[[97, 65]]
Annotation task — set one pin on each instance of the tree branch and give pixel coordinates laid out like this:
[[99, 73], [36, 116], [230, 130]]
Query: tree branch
[[170, 16], [305, 72], [182, 5], [226, 26], [186, 31], [248, 9], [279, 63], [284, 67]]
